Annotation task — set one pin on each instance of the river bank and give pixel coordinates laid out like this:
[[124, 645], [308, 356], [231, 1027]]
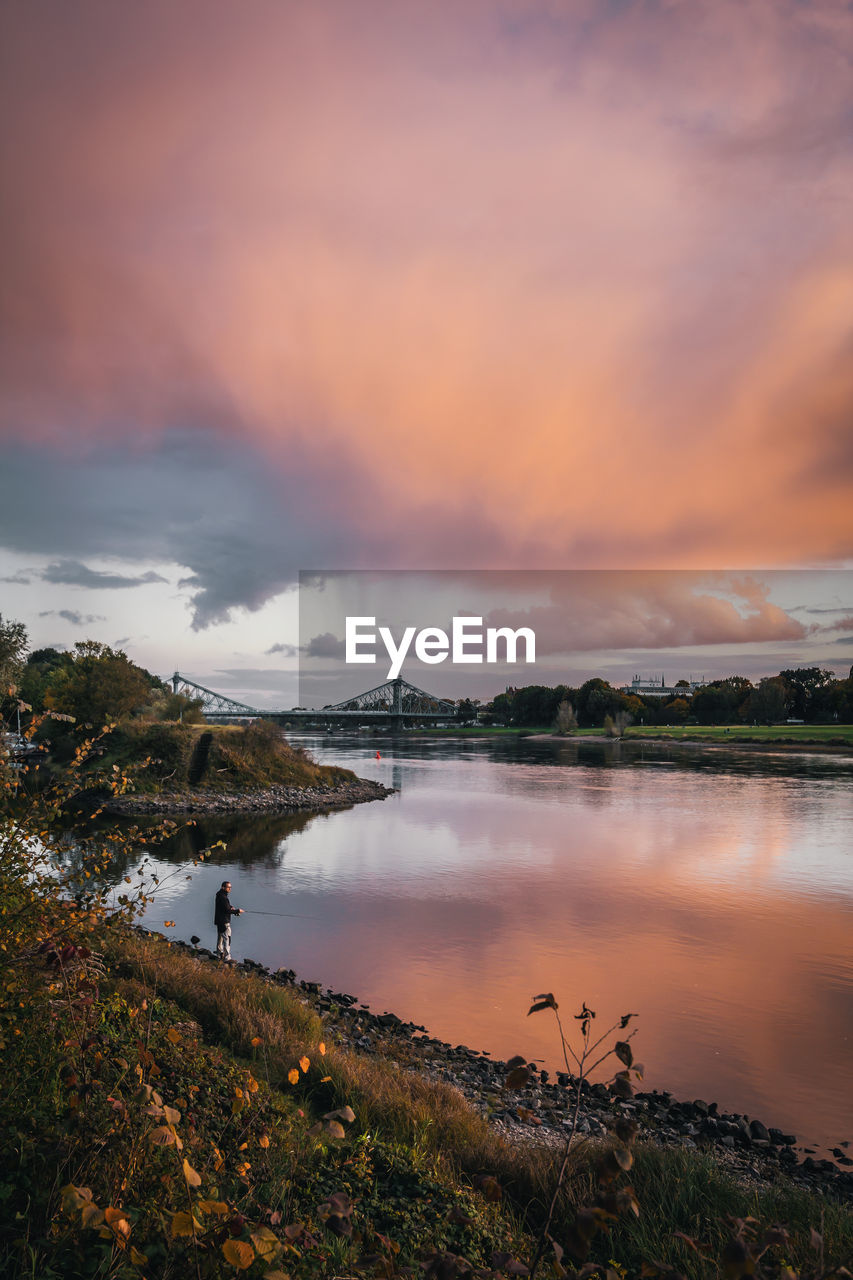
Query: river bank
[[839, 746], [273, 799], [539, 1113]]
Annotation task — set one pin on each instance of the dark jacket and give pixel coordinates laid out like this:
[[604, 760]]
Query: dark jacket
[[224, 911]]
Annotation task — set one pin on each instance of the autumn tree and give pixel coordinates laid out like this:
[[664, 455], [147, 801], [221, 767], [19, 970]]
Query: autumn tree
[[98, 684], [676, 711]]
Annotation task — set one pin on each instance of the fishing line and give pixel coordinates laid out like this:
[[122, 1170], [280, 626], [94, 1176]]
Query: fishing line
[[283, 915]]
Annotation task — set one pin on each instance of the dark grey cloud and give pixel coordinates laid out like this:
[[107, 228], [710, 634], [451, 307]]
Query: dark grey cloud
[[325, 646], [287, 650], [18, 580], [71, 615], [243, 523], [241, 527], [74, 573]]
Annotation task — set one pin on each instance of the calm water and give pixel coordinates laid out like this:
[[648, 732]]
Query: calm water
[[708, 891]]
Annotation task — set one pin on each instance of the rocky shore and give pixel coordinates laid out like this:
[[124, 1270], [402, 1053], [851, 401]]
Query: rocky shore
[[276, 799], [540, 1112]]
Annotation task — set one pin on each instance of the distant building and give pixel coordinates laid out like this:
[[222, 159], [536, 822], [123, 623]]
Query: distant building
[[656, 687]]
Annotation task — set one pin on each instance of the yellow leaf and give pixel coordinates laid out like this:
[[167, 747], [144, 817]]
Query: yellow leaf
[[293, 1075], [74, 1197], [183, 1224], [266, 1243], [91, 1215], [336, 1129], [173, 1035], [305, 1063], [325, 1079], [172, 1116], [321, 1049], [264, 1140], [256, 1040], [193, 1178], [239, 1254], [138, 1258], [276, 1275], [117, 1219], [237, 1105], [219, 1207]]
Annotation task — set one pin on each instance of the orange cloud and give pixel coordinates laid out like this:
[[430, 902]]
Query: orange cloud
[[551, 271]]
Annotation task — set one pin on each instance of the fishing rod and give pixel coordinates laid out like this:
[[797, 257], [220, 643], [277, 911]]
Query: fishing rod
[[283, 915]]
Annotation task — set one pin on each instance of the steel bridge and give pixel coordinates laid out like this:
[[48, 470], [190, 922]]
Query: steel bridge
[[394, 702]]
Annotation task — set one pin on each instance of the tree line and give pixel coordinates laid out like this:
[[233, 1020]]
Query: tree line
[[811, 694], [94, 683], [91, 683]]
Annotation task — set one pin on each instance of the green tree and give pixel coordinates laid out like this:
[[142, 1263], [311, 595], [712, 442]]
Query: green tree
[[466, 711], [805, 684], [500, 709], [13, 647], [36, 675], [770, 700], [597, 699], [722, 701], [99, 684]]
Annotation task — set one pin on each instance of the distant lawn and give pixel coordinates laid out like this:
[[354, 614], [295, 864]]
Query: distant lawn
[[803, 734], [828, 734]]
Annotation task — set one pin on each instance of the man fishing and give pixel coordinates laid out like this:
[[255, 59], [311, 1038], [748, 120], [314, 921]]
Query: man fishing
[[222, 919]]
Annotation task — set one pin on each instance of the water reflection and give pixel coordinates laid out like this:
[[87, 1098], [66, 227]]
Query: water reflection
[[711, 895]]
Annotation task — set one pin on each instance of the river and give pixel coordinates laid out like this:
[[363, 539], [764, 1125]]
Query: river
[[708, 890]]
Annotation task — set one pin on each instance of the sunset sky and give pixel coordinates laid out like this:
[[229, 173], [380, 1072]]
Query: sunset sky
[[394, 284]]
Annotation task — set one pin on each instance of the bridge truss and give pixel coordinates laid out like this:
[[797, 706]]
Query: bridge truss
[[212, 704], [396, 700]]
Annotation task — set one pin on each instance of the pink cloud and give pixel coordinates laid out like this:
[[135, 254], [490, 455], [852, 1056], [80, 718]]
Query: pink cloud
[[548, 277]]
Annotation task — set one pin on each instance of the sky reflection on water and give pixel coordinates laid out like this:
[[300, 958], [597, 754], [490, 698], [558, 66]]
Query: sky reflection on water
[[710, 892]]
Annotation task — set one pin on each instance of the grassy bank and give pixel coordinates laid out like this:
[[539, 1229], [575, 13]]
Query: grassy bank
[[163, 1116], [768, 735], [166, 757], [803, 735]]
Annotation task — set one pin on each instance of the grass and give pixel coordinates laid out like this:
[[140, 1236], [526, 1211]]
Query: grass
[[781, 734], [163, 1116], [803, 734], [245, 758], [248, 1066]]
